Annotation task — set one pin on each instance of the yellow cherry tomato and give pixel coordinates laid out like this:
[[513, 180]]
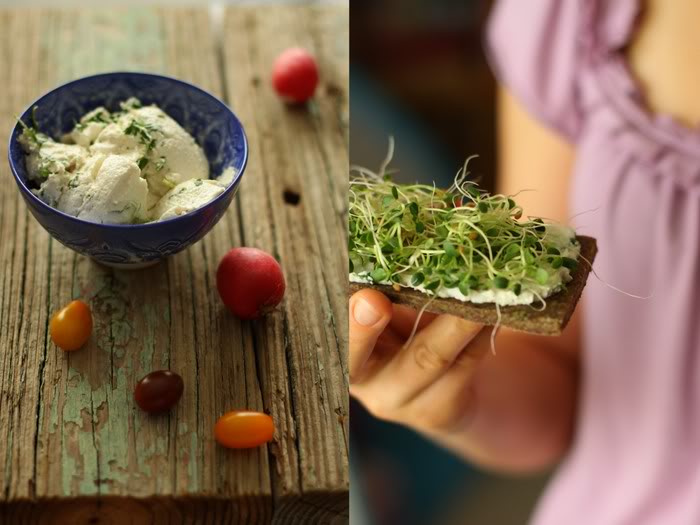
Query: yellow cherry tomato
[[71, 326], [243, 429]]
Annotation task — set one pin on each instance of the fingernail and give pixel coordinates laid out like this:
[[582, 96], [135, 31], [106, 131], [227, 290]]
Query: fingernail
[[365, 314]]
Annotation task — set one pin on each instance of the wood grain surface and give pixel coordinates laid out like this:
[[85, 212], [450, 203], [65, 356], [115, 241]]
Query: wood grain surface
[[73, 446]]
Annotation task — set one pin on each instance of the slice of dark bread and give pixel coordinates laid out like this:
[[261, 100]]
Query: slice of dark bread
[[550, 321]]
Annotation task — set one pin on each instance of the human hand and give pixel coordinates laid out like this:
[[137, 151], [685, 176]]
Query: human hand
[[426, 384]]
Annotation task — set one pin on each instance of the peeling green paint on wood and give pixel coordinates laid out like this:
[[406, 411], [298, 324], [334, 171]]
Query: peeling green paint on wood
[[79, 453], [149, 339]]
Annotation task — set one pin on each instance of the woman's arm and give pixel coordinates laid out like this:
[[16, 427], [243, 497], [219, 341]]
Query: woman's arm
[[511, 411], [529, 387], [531, 156], [526, 393]]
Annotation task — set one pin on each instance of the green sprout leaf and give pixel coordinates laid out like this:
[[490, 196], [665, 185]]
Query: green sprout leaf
[[433, 285], [500, 282], [570, 263], [417, 278], [450, 249], [461, 238], [378, 275]]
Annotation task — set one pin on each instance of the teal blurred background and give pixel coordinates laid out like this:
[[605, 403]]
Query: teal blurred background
[[417, 72]]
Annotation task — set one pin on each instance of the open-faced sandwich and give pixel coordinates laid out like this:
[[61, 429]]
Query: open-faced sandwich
[[464, 252]]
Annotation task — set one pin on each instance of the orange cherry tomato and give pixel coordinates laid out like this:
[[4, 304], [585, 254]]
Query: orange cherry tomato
[[71, 326], [243, 429]]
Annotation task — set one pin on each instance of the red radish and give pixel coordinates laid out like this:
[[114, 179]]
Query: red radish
[[295, 75], [250, 282]]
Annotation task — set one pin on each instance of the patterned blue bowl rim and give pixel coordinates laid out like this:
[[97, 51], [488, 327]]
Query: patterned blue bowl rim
[[231, 187]]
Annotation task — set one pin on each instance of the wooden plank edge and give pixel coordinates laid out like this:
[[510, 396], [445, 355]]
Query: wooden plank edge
[[137, 510]]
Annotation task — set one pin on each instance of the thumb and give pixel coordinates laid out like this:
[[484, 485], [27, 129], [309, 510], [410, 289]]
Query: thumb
[[370, 312]]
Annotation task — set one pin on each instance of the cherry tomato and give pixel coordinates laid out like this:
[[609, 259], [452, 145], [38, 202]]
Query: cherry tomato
[[158, 391], [250, 282], [243, 429], [295, 75], [71, 326]]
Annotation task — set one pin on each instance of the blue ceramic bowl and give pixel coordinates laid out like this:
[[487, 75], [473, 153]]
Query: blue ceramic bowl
[[213, 125]]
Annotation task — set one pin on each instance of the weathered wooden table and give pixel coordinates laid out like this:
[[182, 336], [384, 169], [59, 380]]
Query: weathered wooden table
[[73, 447]]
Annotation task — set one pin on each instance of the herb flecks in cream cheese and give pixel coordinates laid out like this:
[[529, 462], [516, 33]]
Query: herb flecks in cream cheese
[[130, 166]]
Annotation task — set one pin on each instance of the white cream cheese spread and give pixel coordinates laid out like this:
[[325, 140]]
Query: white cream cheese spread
[[131, 166]]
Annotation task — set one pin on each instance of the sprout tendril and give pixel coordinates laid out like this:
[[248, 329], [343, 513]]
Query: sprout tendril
[[462, 238]]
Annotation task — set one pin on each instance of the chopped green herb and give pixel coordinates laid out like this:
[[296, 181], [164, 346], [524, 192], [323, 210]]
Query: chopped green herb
[[34, 123], [130, 206], [32, 135], [143, 132], [131, 103], [102, 116]]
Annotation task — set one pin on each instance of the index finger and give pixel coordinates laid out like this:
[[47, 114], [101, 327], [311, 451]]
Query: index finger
[[404, 318], [428, 356]]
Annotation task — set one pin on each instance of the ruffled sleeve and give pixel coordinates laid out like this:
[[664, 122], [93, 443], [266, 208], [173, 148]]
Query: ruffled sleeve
[[535, 49]]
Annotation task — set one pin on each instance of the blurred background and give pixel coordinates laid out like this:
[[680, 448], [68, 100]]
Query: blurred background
[[418, 72]]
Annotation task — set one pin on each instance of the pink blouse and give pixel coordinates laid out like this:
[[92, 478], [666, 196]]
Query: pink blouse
[[636, 454]]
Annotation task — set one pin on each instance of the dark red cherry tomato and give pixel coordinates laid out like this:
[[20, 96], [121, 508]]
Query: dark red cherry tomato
[[159, 391]]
